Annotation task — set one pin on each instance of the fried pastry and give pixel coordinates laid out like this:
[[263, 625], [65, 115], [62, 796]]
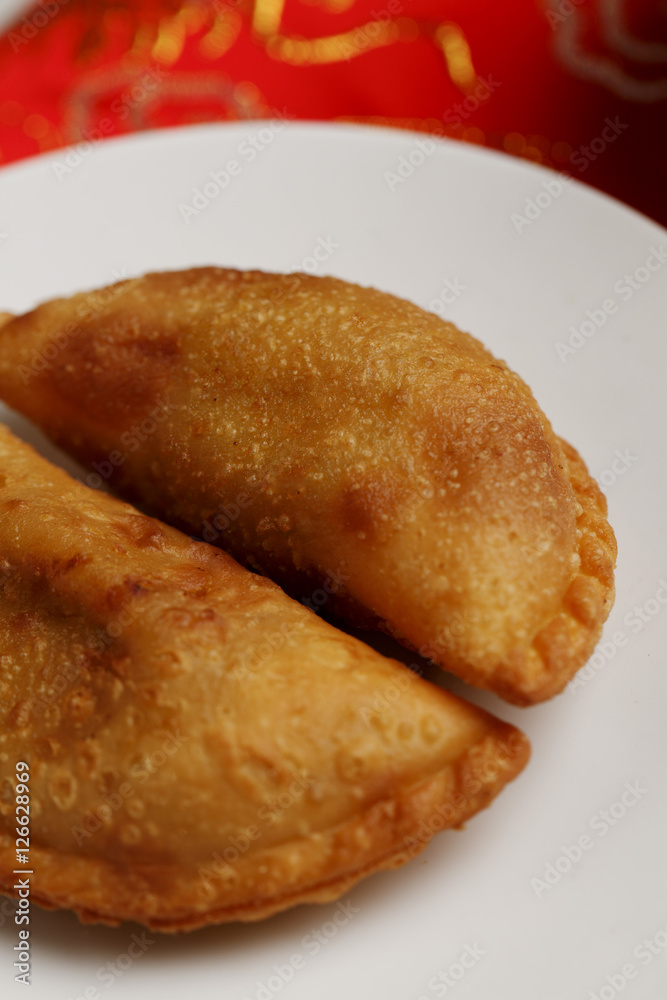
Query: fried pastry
[[358, 450], [200, 747]]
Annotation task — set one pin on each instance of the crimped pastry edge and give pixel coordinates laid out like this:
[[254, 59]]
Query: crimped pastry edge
[[388, 834], [564, 644]]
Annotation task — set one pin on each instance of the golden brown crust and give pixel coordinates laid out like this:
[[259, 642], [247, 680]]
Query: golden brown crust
[[201, 747], [565, 642], [343, 442], [310, 870]]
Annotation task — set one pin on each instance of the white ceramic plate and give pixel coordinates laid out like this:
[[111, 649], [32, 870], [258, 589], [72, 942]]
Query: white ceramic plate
[[476, 915]]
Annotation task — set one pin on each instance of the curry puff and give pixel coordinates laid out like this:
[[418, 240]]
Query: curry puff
[[201, 748], [361, 452]]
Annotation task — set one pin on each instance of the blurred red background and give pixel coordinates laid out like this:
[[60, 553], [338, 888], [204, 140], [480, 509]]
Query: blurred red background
[[577, 85]]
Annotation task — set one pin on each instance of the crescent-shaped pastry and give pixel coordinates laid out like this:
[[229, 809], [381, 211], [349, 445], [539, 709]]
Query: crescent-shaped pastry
[[199, 747], [354, 448]]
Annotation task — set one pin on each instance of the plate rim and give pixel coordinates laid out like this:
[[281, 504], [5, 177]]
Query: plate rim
[[328, 129]]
